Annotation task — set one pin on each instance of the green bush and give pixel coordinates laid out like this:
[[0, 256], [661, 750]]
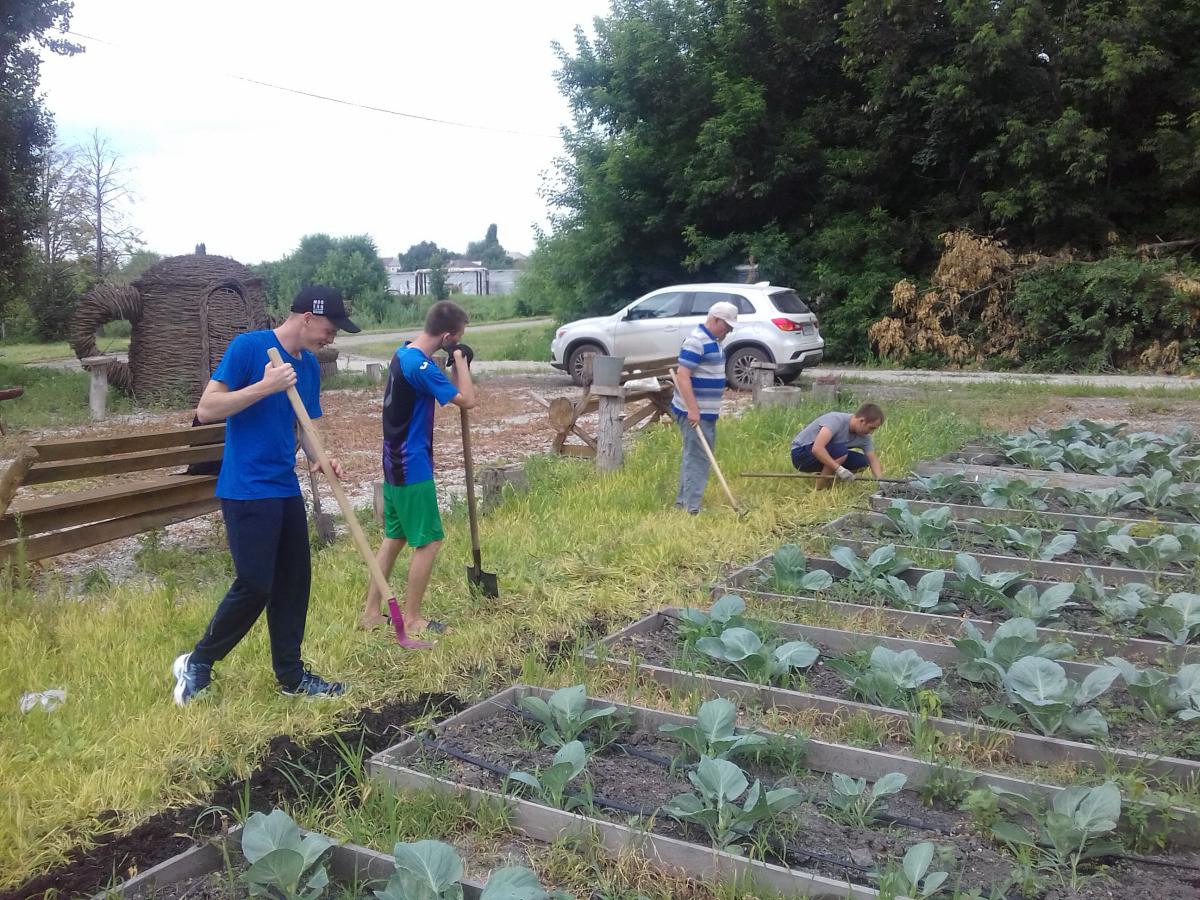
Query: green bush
[[1100, 315]]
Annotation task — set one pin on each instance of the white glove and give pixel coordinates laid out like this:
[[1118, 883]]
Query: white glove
[[843, 474]]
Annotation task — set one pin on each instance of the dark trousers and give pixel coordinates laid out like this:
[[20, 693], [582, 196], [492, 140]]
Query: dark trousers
[[803, 459], [268, 540]]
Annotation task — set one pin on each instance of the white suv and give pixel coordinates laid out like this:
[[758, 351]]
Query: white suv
[[774, 325]]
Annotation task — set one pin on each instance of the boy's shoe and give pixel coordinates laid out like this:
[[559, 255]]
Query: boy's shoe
[[313, 685], [190, 678]]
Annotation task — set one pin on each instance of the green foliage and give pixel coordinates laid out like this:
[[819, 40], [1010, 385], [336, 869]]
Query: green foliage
[[713, 733], [912, 879], [550, 784], [350, 264], [1162, 693], [565, 715], [888, 678], [1039, 608], [1177, 619], [986, 587], [1069, 832], [925, 596], [755, 661], [1051, 701], [1115, 604], [1117, 305], [1032, 542], [433, 870], [833, 142], [987, 661], [695, 624], [1013, 493], [283, 864], [420, 256], [851, 802], [929, 528], [882, 562], [489, 252], [719, 783], [792, 575]]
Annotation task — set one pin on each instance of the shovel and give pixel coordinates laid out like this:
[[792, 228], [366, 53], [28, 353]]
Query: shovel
[[323, 522], [477, 579], [356, 532]]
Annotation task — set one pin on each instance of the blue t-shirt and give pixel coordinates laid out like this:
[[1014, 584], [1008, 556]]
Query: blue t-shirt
[[414, 382], [260, 441]]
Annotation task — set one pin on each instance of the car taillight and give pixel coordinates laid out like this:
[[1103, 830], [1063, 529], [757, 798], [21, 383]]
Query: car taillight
[[787, 325]]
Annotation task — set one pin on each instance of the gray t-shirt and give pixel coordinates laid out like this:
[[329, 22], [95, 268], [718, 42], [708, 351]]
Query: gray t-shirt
[[839, 424]]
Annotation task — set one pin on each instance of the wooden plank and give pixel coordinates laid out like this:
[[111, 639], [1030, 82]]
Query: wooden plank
[[646, 411], [84, 507], [44, 473], [82, 448], [14, 476], [48, 545]]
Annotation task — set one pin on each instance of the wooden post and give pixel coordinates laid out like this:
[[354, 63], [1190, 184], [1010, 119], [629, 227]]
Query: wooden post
[[378, 502], [98, 395], [610, 449], [375, 373]]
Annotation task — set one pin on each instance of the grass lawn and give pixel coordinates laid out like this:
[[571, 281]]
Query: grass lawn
[[16, 353], [531, 343], [53, 397], [578, 547]]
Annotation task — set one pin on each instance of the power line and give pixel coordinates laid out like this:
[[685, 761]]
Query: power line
[[351, 103]]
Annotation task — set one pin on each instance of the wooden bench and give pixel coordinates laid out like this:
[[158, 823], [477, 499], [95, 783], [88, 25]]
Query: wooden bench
[[33, 528], [654, 403]]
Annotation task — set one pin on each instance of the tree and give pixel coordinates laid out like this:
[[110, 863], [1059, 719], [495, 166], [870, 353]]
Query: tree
[[25, 129], [489, 251], [350, 264], [104, 178], [420, 256], [438, 288], [62, 238], [833, 140]]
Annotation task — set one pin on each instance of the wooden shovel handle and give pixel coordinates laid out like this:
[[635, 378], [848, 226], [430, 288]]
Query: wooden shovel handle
[[314, 440]]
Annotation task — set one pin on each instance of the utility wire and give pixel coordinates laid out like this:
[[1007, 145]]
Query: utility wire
[[351, 103]]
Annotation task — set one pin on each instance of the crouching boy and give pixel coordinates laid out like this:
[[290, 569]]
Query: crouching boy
[[839, 444]]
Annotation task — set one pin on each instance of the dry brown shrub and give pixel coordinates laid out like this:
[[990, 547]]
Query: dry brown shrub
[[1163, 360], [969, 289]]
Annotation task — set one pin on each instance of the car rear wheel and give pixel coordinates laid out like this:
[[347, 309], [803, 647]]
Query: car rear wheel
[[576, 358], [738, 371]]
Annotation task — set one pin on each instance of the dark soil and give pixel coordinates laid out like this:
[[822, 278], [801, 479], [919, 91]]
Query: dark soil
[[961, 699], [815, 842], [213, 886], [1053, 505], [92, 869]]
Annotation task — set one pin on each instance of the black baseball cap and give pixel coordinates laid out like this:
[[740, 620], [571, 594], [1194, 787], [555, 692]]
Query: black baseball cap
[[321, 300]]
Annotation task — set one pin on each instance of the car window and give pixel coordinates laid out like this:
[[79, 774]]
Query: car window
[[788, 302], [702, 302], [660, 306]]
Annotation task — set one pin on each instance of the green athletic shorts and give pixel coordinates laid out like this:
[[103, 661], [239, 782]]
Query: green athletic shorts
[[410, 513]]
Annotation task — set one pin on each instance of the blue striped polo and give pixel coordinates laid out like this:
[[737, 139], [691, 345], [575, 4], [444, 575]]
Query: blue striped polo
[[701, 353]]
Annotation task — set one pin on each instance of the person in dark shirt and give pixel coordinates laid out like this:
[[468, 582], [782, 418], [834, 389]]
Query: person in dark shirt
[[410, 510], [260, 495]]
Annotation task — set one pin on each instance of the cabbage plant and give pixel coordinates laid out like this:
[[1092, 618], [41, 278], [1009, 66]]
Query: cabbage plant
[[714, 807], [1177, 619], [1162, 693], [1121, 603], [1052, 702], [1032, 542], [284, 864], [948, 486], [986, 587], [565, 715], [792, 575], [913, 879], [1043, 607], [695, 624], [889, 678], [882, 562], [1153, 555], [924, 597], [930, 528], [550, 784], [755, 661], [987, 661], [853, 803], [713, 734], [1101, 502], [433, 870], [1001, 492]]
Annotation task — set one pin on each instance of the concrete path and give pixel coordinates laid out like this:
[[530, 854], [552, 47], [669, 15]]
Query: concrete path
[[356, 340]]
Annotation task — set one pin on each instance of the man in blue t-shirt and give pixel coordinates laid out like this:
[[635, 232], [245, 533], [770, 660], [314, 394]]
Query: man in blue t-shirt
[[410, 510], [260, 495]]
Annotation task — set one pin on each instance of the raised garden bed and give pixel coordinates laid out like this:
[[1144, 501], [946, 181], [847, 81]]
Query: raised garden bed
[[870, 530], [654, 645], [632, 777], [201, 873], [1052, 478], [1082, 625], [859, 532]]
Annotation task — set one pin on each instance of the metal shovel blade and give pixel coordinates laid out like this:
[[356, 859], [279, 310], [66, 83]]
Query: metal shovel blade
[[484, 582]]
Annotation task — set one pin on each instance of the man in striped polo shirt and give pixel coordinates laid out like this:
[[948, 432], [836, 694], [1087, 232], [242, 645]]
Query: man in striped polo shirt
[[699, 386]]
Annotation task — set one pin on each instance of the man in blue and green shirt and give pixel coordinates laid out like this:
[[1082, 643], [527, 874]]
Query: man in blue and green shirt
[[699, 387]]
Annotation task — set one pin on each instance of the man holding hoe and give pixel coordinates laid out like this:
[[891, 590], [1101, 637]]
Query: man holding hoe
[[260, 495], [839, 444], [415, 383]]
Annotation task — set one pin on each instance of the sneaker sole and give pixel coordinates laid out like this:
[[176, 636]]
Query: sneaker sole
[[304, 695], [179, 670]]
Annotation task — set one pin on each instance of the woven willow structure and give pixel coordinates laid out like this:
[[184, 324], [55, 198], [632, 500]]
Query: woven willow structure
[[184, 310]]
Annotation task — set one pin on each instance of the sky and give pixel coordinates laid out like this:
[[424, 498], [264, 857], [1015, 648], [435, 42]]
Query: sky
[[249, 170]]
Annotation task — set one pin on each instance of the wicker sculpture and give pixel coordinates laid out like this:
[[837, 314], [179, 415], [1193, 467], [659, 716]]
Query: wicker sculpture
[[184, 310]]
